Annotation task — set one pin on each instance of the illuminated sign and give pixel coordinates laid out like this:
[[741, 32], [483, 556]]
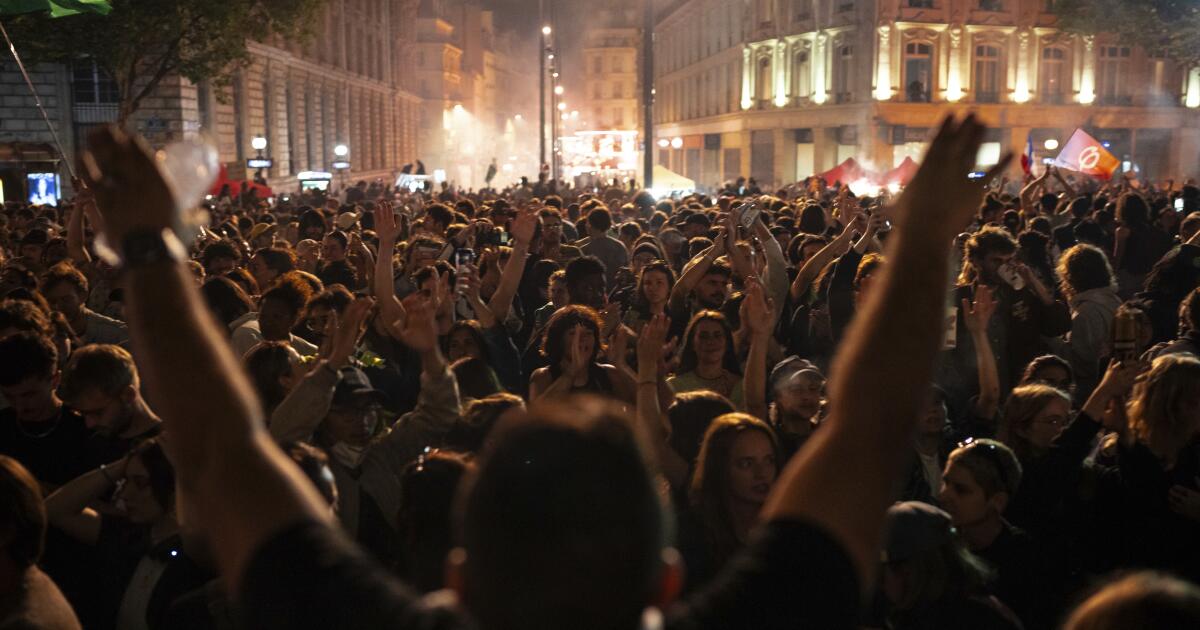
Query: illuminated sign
[[341, 165], [313, 175], [260, 163], [43, 188]]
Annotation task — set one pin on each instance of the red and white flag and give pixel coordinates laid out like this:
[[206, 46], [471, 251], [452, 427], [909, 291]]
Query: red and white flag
[[1085, 154]]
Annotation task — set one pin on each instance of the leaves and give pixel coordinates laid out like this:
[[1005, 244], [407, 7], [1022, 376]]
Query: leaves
[[1166, 27], [198, 39]]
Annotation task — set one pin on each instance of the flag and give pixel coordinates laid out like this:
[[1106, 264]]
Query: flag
[[57, 8], [1027, 158], [1084, 154]]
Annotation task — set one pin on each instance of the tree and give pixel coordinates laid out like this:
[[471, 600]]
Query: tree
[[141, 42], [1167, 27]]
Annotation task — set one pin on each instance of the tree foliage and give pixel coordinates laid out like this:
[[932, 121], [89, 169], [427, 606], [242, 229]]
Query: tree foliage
[[141, 42], [1167, 27]]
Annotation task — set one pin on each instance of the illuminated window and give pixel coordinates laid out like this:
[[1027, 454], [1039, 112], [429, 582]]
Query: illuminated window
[[1113, 79], [918, 72], [988, 76]]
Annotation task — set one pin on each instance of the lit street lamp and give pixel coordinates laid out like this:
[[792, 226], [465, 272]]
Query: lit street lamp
[[340, 162], [259, 162], [558, 89], [1051, 144]]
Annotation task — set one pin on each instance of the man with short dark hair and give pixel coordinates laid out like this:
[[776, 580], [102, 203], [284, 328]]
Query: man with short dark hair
[[586, 282], [598, 243], [37, 429], [66, 289], [269, 263]]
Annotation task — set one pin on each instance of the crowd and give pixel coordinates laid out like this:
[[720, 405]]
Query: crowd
[[974, 404]]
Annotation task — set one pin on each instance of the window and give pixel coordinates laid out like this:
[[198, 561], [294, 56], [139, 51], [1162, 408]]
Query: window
[[801, 75], [618, 64], [843, 74], [597, 64], [987, 73], [918, 72], [801, 10], [762, 92], [1053, 75], [920, 4], [766, 11], [991, 5], [597, 90], [204, 105], [1113, 79], [618, 117], [91, 85]]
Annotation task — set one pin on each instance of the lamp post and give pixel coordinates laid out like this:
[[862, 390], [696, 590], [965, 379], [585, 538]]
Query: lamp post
[[259, 143], [546, 30], [340, 163], [648, 93]]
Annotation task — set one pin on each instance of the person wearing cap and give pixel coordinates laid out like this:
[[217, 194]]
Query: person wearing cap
[[696, 224], [798, 392], [930, 580], [338, 409], [262, 235]]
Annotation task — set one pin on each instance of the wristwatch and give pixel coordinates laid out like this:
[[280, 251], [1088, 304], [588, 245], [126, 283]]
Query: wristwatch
[[147, 246]]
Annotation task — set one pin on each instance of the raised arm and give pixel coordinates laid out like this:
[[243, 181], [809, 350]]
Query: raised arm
[[758, 315], [882, 375], [977, 315], [236, 485], [69, 508], [387, 229], [1067, 187], [652, 423], [813, 266], [522, 230], [76, 247], [694, 270]]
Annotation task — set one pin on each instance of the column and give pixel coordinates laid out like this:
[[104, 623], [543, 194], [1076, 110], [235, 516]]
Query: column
[[954, 89], [819, 63], [747, 79], [1021, 90], [785, 156], [1185, 157], [780, 68], [824, 149], [1087, 82], [1192, 94], [883, 72]]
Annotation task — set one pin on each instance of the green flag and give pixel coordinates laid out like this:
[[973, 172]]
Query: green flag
[[57, 8]]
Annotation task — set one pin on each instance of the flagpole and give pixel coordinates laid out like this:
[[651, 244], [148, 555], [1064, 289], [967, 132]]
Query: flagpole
[[38, 101]]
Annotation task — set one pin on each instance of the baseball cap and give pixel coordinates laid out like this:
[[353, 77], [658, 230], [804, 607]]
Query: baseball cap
[[914, 528], [353, 386]]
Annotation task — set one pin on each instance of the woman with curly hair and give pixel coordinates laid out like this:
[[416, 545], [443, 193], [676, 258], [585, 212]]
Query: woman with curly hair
[[572, 346]]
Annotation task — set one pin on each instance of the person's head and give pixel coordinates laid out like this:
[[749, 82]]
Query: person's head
[[226, 299], [354, 414], [563, 330], [868, 271], [270, 263], [475, 377], [148, 492], [1164, 409], [438, 218], [1189, 226], [29, 375], [470, 432], [333, 246], [1132, 210], [1189, 311], [465, 340], [22, 316], [101, 383], [737, 465], [981, 477], [313, 225], [629, 232], [562, 504], [274, 368], [986, 252], [586, 282], [1083, 268], [599, 221], [244, 279], [281, 307], [708, 340], [220, 258], [314, 463], [713, 287], [1137, 601], [644, 253], [321, 309], [924, 563], [552, 225], [655, 282], [812, 219], [805, 246], [556, 292], [1052, 370], [22, 514], [428, 487], [65, 288], [1033, 416], [798, 389]]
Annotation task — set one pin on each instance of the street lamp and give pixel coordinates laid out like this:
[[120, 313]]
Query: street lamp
[[677, 143], [258, 143], [1051, 144], [341, 150], [546, 30], [558, 89], [664, 143], [340, 163]]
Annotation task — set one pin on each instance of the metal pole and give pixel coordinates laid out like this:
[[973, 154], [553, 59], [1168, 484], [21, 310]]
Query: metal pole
[[648, 94], [542, 85], [556, 115]]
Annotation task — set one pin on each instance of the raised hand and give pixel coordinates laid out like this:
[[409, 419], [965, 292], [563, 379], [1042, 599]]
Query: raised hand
[[940, 196], [576, 361], [651, 343], [1185, 501], [757, 311], [349, 328], [386, 226], [524, 224], [977, 315], [417, 327], [129, 187]]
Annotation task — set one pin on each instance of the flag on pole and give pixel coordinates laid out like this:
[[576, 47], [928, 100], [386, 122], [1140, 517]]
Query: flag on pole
[[1085, 154], [1027, 158], [57, 8]]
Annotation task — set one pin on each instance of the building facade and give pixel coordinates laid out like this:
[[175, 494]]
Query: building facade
[[612, 92], [351, 84], [781, 89]]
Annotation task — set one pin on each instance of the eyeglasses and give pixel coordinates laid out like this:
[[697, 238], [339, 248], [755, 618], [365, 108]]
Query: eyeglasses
[[1054, 421], [991, 452]]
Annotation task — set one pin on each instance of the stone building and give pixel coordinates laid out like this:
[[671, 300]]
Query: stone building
[[612, 91], [781, 89], [351, 84]]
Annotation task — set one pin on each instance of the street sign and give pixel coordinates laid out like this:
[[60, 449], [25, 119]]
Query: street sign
[[260, 163]]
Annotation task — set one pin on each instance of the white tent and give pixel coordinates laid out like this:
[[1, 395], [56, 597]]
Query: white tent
[[667, 182]]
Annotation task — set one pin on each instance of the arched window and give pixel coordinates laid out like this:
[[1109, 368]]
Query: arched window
[[1053, 75], [801, 75], [988, 74], [918, 71], [762, 92], [1113, 80]]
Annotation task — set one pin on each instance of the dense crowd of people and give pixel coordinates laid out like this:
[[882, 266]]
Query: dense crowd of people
[[973, 404]]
